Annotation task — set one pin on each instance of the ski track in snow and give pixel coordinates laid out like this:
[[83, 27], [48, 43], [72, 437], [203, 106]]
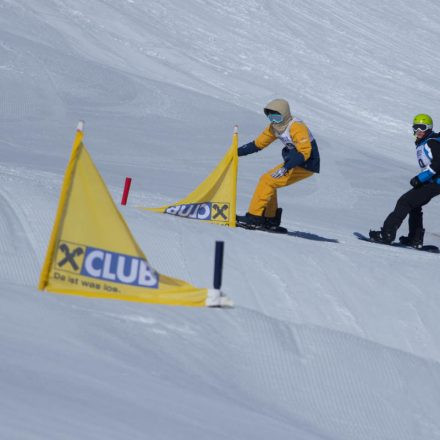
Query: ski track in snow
[[331, 337], [23, 227]]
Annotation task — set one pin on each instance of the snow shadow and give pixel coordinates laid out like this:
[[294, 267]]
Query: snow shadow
[[310, 236]]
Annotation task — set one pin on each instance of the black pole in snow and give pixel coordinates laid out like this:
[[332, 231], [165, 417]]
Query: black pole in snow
[[218, 264]]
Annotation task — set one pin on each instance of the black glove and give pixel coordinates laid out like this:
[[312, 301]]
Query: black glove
[[249, 148], [286, 151], [415, 182]]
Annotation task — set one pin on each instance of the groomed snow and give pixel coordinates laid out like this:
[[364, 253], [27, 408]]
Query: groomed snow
[[331, 337]]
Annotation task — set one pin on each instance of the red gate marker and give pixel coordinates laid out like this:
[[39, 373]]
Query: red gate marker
[[126, 190]]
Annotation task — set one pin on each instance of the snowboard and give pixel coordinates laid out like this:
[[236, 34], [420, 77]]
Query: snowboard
[[425, 248], [279, 230]]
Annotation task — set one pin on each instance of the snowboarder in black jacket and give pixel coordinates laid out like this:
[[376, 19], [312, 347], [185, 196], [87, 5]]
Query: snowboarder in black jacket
[[426, 185]]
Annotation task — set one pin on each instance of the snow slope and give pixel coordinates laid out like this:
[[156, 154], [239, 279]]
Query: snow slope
[[331, 338]]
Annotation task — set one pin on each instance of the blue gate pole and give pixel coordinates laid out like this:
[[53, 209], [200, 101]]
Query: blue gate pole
[[218, 264]]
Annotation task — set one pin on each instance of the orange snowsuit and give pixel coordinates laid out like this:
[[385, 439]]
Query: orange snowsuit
[[264, 201]]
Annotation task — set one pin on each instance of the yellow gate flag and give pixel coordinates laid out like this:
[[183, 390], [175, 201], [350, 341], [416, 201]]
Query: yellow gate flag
[[92, 252], [215, 199]]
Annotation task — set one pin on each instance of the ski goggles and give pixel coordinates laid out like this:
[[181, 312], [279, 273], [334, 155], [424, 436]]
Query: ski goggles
[[273, 116], [420, 127]]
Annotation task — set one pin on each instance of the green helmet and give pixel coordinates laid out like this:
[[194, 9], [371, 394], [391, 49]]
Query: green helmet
[[423, 118]]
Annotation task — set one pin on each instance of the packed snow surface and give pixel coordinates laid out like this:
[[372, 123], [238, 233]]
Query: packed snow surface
[[331, 337]]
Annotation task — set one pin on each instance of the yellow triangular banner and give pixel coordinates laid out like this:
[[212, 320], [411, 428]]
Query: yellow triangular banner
[[215, 199], [93, 253]]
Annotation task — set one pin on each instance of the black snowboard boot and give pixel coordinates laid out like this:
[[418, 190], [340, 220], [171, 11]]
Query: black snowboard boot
[[414, 239], [251, 221], [382, 236], [273, 223]]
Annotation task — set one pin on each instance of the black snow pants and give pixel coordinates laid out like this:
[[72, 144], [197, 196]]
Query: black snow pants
[[411, 203]]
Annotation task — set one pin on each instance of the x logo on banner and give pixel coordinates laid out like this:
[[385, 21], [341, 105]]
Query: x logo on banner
[[69, 257], [220, 211]]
